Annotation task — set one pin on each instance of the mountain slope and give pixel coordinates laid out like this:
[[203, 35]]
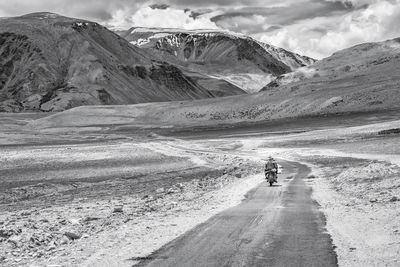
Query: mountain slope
[[364, 78], [236, 58], [51, 63]]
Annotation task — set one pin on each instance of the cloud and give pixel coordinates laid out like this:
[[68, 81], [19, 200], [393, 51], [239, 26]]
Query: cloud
[[97, 10], [169, 18], [315, 28], [378, 22]]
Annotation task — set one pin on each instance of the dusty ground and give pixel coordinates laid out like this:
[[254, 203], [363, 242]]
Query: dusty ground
[[61, 193]]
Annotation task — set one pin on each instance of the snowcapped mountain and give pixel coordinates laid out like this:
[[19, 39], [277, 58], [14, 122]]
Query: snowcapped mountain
[[236, 58]]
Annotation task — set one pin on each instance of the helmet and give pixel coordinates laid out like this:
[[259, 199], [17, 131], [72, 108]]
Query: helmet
[[270, 158]]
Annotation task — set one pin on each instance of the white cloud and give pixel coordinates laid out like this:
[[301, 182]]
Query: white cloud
[[378, 22], [294, 27], [165, 18]]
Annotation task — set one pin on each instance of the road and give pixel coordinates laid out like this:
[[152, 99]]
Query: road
[[273, 226]]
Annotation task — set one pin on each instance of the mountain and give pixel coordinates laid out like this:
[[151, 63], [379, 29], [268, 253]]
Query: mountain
[[236, 58], [370, 63], [363, 78], [51, 63]]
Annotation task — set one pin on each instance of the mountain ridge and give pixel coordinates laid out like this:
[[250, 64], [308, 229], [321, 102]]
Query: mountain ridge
[[363, 78], [51, 63], [252, 64]]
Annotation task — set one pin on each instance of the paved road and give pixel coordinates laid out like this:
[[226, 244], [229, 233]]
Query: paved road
[[274, 226]]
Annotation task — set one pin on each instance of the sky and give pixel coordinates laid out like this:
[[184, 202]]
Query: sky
[[315, 28]]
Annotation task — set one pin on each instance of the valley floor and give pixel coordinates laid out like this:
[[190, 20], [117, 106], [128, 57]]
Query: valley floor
[[89, 199]]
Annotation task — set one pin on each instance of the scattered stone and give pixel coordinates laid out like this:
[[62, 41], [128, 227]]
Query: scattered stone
[[160, 190], [72, 235], [64, 240], [90, 218], [173, 189], [15, 240], [52, 247], [26, 213], [118, 209], [74, 220], [179, 185]]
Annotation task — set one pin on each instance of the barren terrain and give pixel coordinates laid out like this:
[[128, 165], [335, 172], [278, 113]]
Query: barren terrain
[[112, 195]]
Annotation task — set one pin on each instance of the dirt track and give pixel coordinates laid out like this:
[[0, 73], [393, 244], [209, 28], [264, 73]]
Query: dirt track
[[278, 226]]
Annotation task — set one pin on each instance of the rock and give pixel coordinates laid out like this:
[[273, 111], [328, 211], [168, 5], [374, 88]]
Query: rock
[[74, 220], [26, 213], [394, 199], [64, 240], [149, 199], [15, 240], [171, 190], [373, 200], [160, 190], [179, 185], [52, 247], [72, 235], [238, 175], [90, 218], [118, 208]]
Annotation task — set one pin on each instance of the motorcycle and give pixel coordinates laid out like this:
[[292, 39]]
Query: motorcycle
[[271, 176]]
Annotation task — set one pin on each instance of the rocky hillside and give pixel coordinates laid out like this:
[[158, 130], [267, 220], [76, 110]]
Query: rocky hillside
[[52, 63], [364, 78], [238, 59], [347, 66]]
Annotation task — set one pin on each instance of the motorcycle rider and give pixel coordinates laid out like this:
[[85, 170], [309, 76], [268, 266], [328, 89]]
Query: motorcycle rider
[[271, 166]]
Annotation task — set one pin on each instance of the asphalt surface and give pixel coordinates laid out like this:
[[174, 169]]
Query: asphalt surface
[[273, 226]]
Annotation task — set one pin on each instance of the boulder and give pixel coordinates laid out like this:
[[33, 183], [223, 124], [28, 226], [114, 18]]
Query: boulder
[[160, 190], [118, 208], [72, 235]]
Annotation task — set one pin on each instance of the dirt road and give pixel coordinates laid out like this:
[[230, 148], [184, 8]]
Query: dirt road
[[274, 226]]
